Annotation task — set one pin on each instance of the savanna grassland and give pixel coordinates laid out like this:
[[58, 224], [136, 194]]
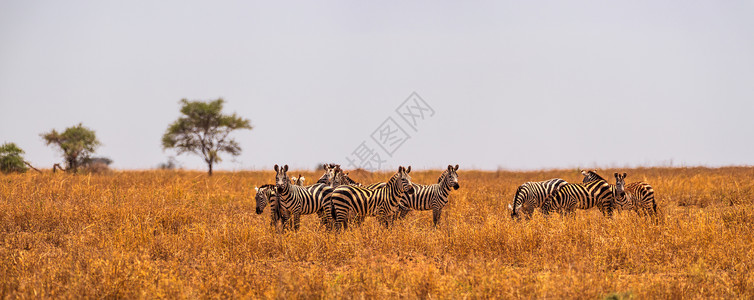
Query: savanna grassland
[[156, 234]]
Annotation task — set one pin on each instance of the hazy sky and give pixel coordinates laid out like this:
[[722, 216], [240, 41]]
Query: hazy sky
[[514, 85]]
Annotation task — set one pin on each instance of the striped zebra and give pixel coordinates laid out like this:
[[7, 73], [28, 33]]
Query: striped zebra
[[639, 196], [327, 178], [340, 177], [380, 202], [430, 197], [302, 200], [531, 195], [266, 195], [571, 196]]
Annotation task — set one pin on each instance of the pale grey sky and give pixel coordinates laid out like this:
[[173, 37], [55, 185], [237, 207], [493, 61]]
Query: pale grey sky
[[515, 85]]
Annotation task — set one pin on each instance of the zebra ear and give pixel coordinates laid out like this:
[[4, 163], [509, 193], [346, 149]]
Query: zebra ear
[[256, 189], [450, 168], [456, 168], [583, 172], [408, 170], [277, 168], [615, 174], [400, 168], [624, 175], [285, 168]]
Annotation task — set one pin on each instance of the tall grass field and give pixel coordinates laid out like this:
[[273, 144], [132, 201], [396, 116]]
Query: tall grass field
[[182, 234]]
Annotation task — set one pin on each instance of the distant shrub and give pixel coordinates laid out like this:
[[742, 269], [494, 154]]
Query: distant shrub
[[11, 159], [171, 164], [97, 165]]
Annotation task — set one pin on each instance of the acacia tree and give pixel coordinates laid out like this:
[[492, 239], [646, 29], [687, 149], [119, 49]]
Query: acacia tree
[[203, 130], [11, 159], [77, 144]]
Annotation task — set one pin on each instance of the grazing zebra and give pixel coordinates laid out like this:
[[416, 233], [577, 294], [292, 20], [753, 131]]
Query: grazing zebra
[[639, 196], [571, 196], [430, 197], [381, 202], [298, 180], [531, 195], [302, 200], [266, 194]]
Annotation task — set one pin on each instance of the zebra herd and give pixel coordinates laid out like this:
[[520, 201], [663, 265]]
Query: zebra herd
[[337, 199], [561, 196]]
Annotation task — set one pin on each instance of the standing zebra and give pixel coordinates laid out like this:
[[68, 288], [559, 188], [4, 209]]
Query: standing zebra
[[571, 196], [266, 194], [639, 196], [300, 200], [430, 197], [381, 202], [531, 195]]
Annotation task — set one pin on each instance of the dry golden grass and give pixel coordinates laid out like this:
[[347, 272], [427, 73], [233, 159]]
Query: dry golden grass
[[183, 235]]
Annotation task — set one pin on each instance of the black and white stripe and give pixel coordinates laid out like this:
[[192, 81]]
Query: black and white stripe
[[360, 202], [637, 196], [302, 200], [531, 195], [431, 197], [571, 196], [266, 195]]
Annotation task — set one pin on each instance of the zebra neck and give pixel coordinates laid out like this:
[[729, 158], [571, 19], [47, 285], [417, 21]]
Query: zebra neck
[[392, 187], [444, 187]]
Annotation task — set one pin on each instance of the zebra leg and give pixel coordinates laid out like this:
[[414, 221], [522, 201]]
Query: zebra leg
[[324, 219], [402, 212], [436, 215], [296, 220]]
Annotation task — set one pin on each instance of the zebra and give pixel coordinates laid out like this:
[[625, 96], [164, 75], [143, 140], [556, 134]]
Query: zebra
[[327, 178], [531, 195], [298, 180], [381, 202], [340, 177], [430, 197], [571, 196], [266, 194], [639, 196], [302, 200]]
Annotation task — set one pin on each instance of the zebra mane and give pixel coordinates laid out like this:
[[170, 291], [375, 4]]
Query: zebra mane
[[442, 176], [267, 186], [591, 175]]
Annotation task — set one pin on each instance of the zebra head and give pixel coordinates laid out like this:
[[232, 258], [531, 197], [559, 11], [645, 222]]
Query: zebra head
[[452, 178], [404, 180], [336, 176], [620, 187], [281, 178], [591, 175], [263, 196]]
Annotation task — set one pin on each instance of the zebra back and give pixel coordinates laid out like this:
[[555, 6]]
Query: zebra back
[[531, 195], [362, 201], [642, 197], [582, 196], [433, 196]]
